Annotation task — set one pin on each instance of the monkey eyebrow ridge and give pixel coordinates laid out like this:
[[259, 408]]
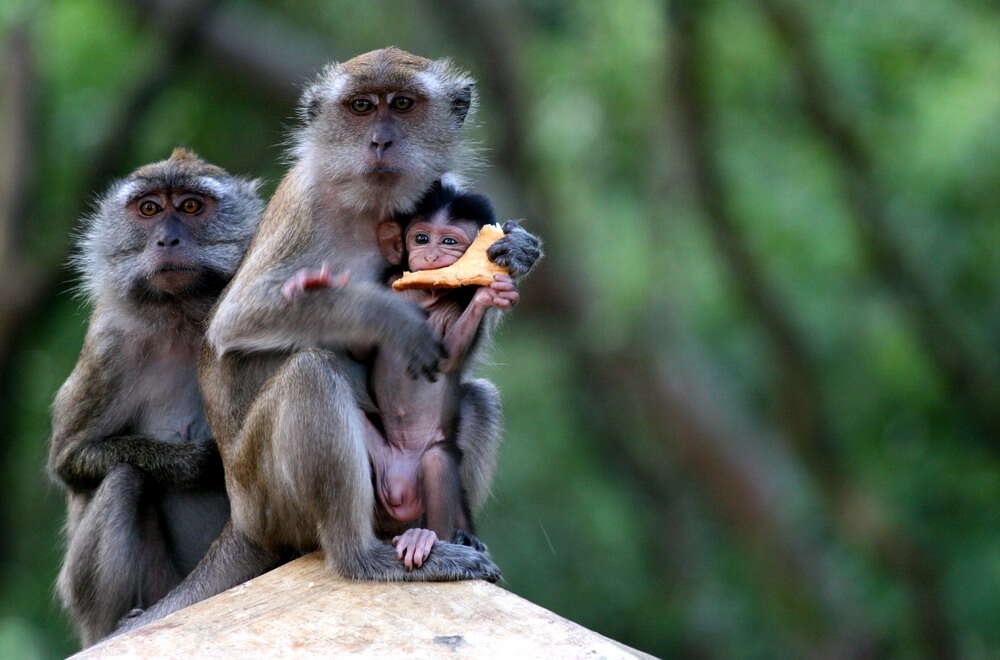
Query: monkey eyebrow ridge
[[385, 89], [148, 185]]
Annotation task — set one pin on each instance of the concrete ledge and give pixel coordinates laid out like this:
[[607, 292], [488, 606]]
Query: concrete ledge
[[301, 610]]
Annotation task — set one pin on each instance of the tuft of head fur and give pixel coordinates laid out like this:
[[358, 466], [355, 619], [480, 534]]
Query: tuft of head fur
[[109, 247], [329, 144], [460, 205]]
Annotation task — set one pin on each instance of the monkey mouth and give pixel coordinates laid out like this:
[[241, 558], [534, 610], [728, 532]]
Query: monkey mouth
[[383, 170], [174, 278], [174, 268]]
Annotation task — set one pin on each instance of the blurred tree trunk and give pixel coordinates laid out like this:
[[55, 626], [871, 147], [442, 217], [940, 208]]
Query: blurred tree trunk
[[21, 279], [860, 516], [970, 375]]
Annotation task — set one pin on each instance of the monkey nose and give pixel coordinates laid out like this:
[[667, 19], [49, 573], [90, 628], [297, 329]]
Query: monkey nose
[[169, 242], [380, 147]]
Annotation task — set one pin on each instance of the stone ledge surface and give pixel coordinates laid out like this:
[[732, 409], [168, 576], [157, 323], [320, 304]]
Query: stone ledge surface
[[301, 610]]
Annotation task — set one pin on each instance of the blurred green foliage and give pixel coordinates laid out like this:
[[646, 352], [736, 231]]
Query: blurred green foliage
[[658, 569]]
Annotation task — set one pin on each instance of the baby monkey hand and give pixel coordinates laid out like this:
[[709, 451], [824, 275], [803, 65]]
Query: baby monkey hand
[[413, 546], [313, 278], [502, 293]]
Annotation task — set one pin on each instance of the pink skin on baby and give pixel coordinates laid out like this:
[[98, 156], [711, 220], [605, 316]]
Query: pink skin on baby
[[414, 545]]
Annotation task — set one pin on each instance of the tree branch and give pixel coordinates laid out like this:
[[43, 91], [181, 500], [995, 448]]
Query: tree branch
[[859, 516], [966, 374]]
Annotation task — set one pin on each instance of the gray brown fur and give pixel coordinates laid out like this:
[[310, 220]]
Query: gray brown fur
[[283, 397], [130, 442]]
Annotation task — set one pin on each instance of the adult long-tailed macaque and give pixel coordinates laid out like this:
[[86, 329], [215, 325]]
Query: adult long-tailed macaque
[[130, 441], [415, 460], [284, 399]]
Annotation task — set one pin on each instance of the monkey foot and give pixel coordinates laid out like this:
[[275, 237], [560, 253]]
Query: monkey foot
[[413, 546], [462, 537]]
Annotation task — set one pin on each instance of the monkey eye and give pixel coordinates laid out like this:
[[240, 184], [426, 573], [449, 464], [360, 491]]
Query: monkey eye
[[448, 240], [421, 239], [361, 106], [191, 206], [149, 208], [402, 103]]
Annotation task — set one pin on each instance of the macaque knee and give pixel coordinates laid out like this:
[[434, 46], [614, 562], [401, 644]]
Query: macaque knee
[[123, 482], [438, 461], [308, 371]]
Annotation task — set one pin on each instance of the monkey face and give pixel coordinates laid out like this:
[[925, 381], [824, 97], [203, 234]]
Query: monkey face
[[173, 229], [438, 242], [387, 122], [171, 221]]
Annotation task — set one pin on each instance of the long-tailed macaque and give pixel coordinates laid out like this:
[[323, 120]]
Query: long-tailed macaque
[[284, 398], [130, 441], [414, 457]]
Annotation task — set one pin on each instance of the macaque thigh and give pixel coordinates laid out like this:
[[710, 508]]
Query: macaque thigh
[[300, 467]]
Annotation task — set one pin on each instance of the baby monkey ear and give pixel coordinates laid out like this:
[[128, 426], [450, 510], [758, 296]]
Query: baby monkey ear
[[390, 241]]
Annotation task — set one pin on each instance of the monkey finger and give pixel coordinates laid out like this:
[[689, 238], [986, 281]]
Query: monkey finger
[[499, 252], [288, 289], [341, 280], [422, 553], [503, 283]]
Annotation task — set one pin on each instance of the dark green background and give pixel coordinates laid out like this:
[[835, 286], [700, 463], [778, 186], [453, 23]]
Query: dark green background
[[751, 393]]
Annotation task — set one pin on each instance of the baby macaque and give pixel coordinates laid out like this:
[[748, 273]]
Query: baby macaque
[[414, 457]]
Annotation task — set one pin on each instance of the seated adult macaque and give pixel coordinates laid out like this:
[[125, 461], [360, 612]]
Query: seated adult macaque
[[415, 460], [130, 444]]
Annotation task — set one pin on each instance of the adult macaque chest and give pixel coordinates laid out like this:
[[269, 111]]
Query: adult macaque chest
[[349, 244], [165, 389], [165, 392]]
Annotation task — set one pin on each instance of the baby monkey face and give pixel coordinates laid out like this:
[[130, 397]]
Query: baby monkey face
[[438, 242]]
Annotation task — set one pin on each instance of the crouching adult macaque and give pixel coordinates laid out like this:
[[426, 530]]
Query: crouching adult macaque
[[130, 442], [415, 459], [284, 398]]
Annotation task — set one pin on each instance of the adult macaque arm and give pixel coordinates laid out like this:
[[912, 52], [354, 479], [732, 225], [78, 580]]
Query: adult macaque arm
[[84, 461], [259, 318], [87, 438]]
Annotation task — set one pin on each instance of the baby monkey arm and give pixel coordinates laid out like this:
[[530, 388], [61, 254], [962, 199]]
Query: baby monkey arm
[[460, 335]]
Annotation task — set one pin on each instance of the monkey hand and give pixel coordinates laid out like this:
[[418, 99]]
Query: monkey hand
[[313, 278], [517, 251], [413, 546], [421, 345], [502, 293]]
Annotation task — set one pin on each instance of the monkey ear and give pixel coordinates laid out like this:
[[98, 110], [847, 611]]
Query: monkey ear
[[390, 241], [461, 102]]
